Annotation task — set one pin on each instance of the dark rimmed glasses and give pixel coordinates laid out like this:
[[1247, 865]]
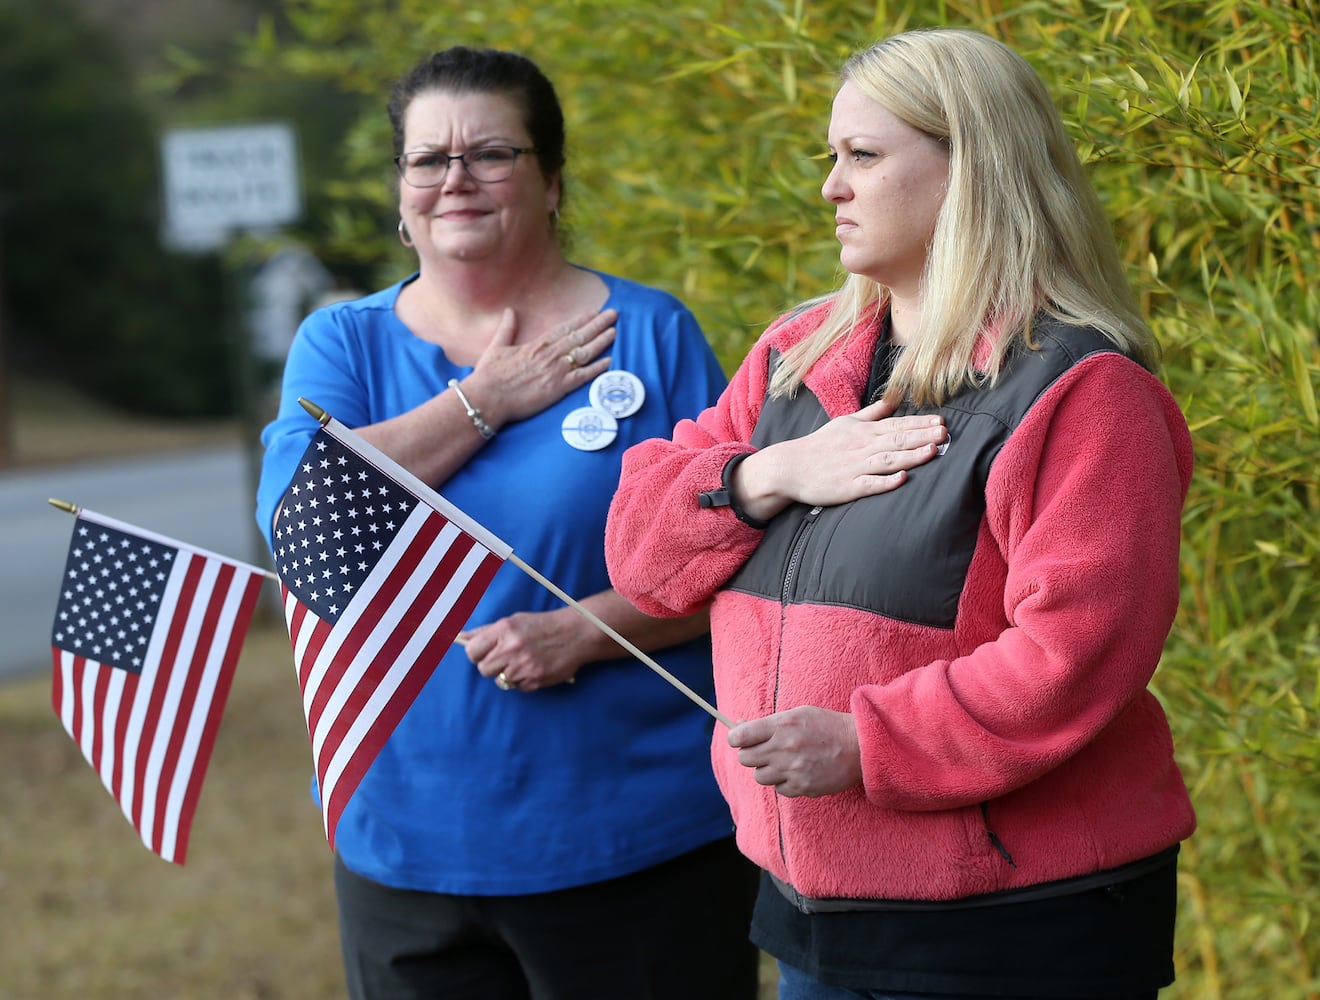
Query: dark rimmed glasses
[[426, 168]]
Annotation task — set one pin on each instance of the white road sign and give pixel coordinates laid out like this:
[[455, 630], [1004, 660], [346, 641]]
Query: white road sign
[[226, 178]]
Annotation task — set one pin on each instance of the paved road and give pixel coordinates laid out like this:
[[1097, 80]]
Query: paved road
[[202, 497]]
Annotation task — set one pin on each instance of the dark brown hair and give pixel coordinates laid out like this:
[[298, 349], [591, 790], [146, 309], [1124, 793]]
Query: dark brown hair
[[461, 70]]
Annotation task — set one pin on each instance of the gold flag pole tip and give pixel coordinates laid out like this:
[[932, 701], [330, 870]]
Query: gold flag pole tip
[[64, 505], [321, 416]]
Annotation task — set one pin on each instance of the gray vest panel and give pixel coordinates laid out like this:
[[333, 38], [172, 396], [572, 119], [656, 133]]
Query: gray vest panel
[[904, 554]]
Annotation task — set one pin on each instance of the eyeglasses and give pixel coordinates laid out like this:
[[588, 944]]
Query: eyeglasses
[[426, 168]]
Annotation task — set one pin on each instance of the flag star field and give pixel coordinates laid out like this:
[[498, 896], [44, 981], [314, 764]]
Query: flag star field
[[339, 517], [111, 596]]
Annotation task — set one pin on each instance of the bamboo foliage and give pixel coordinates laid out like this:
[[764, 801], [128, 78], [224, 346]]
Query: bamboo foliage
[[696, 130]]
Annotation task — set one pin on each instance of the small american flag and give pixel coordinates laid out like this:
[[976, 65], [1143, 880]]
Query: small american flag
[[379, 573], [147, 633]]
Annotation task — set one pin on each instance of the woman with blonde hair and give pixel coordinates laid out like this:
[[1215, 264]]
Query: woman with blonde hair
[[935, 519]]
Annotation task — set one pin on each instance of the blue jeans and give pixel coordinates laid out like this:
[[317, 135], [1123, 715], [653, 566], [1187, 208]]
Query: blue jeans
[[794, 984]]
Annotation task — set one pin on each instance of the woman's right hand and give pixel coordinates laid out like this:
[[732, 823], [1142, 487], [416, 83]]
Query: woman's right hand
[[514, 381], [856, 455]]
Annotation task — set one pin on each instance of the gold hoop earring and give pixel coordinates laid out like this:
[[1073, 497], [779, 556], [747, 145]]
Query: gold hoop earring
[[403, 235]]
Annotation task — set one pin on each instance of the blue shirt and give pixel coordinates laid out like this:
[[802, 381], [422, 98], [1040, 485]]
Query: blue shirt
[[480, 791]]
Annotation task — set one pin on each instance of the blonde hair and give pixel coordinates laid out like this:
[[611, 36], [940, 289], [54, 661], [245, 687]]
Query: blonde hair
[[1020, 231]]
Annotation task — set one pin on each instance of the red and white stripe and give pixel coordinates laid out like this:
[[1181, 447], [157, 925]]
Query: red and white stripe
[[359, 676], [150, 735]]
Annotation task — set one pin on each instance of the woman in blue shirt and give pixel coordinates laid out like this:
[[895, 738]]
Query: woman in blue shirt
[[543, 821]]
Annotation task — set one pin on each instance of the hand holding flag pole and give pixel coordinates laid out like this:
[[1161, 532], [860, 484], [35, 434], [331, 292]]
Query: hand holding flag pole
[[142, 691], [324, 419], [692, 696]]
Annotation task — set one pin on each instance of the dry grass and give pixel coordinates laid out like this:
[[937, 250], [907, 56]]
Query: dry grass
[[91, 913]]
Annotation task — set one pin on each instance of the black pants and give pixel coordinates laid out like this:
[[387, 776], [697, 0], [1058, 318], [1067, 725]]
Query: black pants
[[677, 931]]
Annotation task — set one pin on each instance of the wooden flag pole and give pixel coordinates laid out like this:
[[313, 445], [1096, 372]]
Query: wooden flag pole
[[75, 510], [324, 418], [582, 610], [692, 696]]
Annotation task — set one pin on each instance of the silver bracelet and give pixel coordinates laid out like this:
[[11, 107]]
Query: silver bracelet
[[483, 428]]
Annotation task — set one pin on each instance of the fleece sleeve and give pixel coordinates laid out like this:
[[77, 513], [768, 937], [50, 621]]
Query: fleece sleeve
[[665, 552], [1084, 504]]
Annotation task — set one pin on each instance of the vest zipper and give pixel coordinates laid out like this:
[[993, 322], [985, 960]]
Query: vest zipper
[[795, 557], [790, 571]]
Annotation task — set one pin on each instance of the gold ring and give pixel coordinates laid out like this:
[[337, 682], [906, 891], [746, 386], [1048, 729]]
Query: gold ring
[[572, 358], [502, 682]]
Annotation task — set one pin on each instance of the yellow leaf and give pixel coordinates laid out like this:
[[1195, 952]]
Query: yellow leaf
[[1185, 88], [1234, 95]]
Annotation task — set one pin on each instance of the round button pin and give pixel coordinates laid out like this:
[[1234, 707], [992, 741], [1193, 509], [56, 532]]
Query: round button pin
[[589, 429], [618, 393]]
